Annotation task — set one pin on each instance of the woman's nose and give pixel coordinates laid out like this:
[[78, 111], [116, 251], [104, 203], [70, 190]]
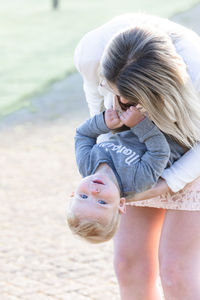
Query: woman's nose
[[123, 100]]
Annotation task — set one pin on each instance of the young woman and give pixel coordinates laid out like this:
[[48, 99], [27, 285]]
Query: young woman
[[154, 64]]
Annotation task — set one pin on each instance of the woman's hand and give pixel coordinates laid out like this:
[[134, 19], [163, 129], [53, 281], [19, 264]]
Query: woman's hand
[[131, 117], [160, 188], [112, 119]]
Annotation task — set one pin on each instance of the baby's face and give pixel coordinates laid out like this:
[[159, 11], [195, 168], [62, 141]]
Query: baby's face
[[97, 197]]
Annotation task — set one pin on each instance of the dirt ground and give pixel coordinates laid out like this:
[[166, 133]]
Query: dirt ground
[[39, 257]]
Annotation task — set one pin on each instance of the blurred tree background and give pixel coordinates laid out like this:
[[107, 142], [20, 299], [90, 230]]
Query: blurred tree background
[[38, 39]]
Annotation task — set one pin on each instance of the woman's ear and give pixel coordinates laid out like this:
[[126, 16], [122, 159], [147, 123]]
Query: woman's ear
[[122, 205]]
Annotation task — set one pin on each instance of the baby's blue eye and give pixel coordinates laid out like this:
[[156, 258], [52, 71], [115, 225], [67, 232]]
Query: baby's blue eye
[[102, 202], [83, 196]]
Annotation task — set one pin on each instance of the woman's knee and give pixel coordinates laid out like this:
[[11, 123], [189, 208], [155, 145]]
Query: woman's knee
[[180, 277], [122, 266], [174, 272], [168, 271], [134, 269], [179, 256]]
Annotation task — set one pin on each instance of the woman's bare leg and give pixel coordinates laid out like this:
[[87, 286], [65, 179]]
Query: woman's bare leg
[[180, 255], [136, 253]]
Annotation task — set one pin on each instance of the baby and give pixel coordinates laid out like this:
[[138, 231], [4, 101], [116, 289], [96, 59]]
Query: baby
[[113, 171]]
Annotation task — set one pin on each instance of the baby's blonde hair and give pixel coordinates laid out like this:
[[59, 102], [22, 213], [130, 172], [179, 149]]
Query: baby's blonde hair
[[91, 230], [143, 64]]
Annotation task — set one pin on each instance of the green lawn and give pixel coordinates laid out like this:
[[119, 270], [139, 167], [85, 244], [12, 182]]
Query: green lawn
[[37, 43]]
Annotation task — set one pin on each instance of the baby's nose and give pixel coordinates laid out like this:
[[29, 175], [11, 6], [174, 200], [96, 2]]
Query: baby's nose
[[95, 189]]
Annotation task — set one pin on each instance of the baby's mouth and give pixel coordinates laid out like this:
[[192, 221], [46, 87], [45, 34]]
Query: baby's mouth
[[98, 181]]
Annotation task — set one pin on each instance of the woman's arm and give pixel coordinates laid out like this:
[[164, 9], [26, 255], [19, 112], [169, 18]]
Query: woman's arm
[[160, 188], [87, 61], [188, 47], [184, 170]]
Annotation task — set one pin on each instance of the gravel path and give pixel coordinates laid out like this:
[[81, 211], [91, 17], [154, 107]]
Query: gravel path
[[39, 257]]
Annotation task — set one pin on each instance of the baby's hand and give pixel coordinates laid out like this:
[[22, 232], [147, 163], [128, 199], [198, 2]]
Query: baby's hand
[[131, 117], [112, 119]]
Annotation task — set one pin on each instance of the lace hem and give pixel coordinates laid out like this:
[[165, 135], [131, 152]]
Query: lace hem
[[186, 199]]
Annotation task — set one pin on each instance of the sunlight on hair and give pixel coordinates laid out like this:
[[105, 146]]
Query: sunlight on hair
[[143, 65]]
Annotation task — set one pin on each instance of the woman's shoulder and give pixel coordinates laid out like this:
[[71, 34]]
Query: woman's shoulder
[[94, 41], [188, 47], [91, 46]]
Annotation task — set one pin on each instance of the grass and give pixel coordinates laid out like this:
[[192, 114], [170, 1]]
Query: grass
[[37, 43]]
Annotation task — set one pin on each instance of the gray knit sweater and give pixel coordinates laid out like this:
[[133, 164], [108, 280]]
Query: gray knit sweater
[[137, 156]]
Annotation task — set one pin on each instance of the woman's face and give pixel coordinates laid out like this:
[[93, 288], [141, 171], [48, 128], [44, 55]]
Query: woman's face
[[123, 102]]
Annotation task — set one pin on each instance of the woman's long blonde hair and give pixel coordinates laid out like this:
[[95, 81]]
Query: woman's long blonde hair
[[144, 66]]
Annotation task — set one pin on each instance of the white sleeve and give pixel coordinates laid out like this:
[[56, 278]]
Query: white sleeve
[[184, 170], [93, 98], [86, 60], [188, 47]]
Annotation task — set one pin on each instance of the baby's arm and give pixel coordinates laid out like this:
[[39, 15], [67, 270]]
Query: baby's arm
[[182, 172], [85, 139], [152, 163]]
